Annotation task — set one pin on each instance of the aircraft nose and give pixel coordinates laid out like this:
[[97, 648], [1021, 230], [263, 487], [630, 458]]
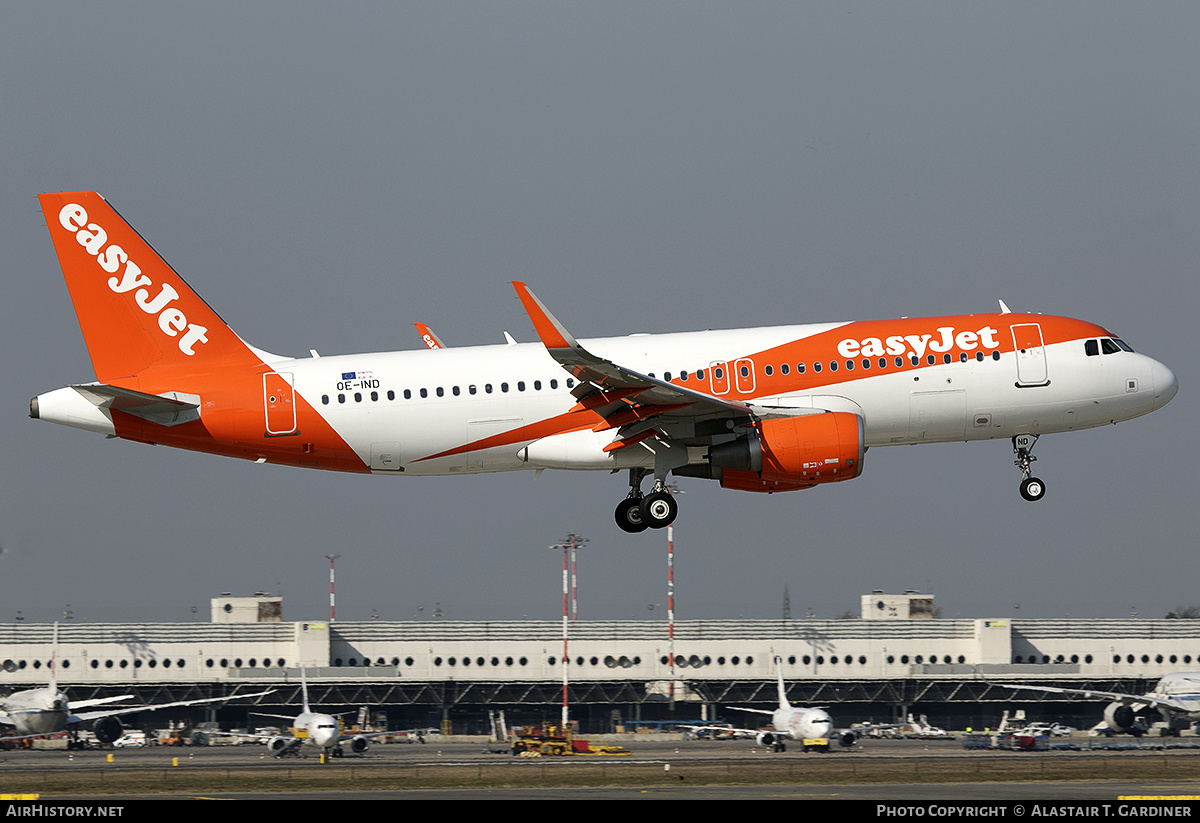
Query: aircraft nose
[[1165, 384]]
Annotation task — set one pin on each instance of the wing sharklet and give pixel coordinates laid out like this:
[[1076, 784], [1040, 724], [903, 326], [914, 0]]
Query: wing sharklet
[[552, 333]]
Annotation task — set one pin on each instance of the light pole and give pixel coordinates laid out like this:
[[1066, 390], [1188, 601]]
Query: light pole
[[568, 546], [331, 558], [673, 489]]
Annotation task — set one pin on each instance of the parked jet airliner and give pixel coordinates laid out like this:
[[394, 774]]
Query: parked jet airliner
[[796, 723], [760, 409], [1176, 697], [319, 730]]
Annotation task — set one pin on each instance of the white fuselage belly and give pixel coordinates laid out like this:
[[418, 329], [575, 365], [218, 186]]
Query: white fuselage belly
[[975, 400]]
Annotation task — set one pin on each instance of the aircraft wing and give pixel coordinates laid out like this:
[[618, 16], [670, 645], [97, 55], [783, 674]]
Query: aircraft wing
[[754, 711], [99, 701], [83, 717], [344, 736], [622, 396], [1127, 699], [732, 731]]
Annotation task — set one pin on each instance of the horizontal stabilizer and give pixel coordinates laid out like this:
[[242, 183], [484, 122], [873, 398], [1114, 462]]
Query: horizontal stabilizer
[[168, 409]]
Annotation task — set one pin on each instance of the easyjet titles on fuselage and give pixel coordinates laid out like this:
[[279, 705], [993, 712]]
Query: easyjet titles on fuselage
[[93, 237], [918, 343]]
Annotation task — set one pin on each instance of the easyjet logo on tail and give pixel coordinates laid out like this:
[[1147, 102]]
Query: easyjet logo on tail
[[111, 257]]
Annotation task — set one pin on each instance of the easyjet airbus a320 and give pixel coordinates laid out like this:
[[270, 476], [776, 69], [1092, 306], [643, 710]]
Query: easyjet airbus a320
[[759, 410]]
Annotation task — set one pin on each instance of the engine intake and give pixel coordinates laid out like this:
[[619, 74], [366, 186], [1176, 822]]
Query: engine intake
[[107, 729], [1122, 719]]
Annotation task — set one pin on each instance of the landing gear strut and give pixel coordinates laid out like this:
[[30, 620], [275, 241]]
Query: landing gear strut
[[1032, 488]]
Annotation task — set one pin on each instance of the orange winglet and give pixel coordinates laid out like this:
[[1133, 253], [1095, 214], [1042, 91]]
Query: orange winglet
[[430, 339], [552, 333]]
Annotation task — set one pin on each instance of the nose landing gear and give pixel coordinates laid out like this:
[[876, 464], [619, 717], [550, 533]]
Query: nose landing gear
[[1032, 488]]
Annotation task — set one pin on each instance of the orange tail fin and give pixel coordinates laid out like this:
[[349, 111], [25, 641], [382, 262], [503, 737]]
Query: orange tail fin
[[135, 312]]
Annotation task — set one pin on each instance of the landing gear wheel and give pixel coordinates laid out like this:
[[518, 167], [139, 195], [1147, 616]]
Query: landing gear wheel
[[629, 515], [659, 509], [1032, 488]]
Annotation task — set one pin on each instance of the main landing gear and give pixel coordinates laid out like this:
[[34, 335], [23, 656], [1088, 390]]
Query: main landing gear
[[655, 510], [1032, 488]]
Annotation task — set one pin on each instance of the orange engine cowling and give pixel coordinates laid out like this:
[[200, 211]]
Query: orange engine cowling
[[793, 453]]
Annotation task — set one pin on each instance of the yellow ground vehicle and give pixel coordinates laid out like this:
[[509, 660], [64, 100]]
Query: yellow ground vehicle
[[551, 741]]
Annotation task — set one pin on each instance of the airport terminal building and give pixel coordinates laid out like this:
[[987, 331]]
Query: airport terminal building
[[893, 660]]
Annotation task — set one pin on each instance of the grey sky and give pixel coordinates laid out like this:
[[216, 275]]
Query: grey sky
[[325, 176]]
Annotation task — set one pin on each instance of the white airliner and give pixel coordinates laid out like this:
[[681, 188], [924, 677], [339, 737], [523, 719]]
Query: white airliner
[[759, 410], [1176, 697], [45, 711], [796, 723], [321, 731]]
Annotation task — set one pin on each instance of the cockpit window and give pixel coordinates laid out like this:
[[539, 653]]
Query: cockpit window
[[1124, 346], [1108, 346], [1091, 347]]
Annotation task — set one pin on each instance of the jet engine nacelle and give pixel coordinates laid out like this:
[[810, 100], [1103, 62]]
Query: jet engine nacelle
[[107, 729], [1121, 718], [278, 745], [359, 744], [847, 739], [768, 739], [790, 453]]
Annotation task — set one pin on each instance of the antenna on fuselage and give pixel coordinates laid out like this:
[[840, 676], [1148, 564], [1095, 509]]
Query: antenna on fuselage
[[1004, 309]]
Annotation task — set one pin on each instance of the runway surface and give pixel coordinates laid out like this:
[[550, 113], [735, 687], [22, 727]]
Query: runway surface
[[658, 767]]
